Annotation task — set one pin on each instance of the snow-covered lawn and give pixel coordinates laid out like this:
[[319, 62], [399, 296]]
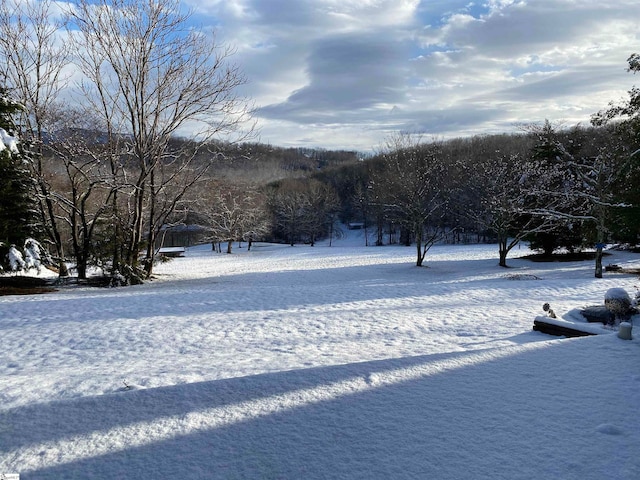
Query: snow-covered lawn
[[326, 362]]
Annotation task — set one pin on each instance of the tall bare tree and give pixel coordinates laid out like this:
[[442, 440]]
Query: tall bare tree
[[501, 185], [151, 77], [625, 115], [322, 206], [289, 203], [414, 179], [83, 187]]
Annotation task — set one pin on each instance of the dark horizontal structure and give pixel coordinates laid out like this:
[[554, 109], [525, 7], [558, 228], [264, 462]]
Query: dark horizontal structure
[[561, 328]]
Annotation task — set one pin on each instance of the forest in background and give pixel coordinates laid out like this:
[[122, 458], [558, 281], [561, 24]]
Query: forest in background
[[104, 180], [557, 188]]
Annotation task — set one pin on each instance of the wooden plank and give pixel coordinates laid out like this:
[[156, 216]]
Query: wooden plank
[[559, 330]]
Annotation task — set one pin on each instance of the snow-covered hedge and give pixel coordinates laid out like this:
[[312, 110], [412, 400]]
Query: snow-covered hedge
[[31, 259], [16, 260], [8, 142]]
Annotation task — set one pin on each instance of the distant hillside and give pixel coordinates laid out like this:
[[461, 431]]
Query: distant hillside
[[260, 163], [264, 163]]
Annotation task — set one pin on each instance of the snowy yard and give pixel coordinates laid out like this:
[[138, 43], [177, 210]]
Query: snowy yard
[[326, 362]]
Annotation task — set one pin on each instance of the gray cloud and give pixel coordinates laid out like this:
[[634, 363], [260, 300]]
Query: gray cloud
[[347, 72], [345, 75]]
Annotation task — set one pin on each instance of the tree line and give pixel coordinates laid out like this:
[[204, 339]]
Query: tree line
[[101, 179], [555, 187]]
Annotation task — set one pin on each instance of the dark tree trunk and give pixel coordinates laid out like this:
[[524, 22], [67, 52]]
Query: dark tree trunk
[[503, 258], [81, 266], [503, 252], [598, 273], [420, 253]]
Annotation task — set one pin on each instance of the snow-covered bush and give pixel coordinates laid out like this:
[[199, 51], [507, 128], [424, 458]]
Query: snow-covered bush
[[117, 280], [16, 261], [8, 142], [34, 257], [33, 253], [618, 302]]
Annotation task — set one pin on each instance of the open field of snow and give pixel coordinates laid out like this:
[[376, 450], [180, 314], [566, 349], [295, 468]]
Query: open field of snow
[[321, 362]]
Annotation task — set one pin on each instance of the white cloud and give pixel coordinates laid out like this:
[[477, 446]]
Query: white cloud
[[328, 72]]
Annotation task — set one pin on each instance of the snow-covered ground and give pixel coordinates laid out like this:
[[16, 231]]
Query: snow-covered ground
[[321, 362]]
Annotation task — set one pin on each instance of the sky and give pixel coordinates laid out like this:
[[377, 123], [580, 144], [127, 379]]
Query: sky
[[349, 74]]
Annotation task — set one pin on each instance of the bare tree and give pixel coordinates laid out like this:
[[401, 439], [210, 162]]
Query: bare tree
[[628, 111], [82, 190], [362, 202], [599, 175], [234, 213], [150, 77], [303, 209], [414, 182], [501, 183], [375, 200], [594, 170], [322, 206], [289, 204], [627, 115]]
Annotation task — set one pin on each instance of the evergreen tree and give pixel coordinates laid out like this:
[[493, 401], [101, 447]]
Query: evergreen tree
[[17, 208], [552, 157]]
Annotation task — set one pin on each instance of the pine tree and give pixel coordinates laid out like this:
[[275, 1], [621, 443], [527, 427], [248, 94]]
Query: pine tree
[[17, 208]]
